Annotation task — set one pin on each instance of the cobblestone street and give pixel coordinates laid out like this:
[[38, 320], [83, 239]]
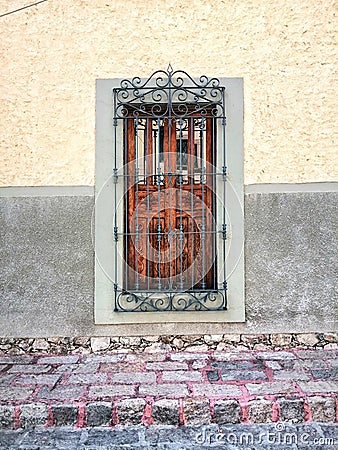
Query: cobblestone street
[[168, 388]]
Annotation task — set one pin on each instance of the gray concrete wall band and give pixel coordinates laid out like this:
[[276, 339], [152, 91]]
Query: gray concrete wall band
[[47, 259]]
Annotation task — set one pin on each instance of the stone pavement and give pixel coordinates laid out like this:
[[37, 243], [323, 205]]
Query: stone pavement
[[278, 436], [169, 388]]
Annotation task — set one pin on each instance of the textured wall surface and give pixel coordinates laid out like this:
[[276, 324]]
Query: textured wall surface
[[47, 268], [52, 53]]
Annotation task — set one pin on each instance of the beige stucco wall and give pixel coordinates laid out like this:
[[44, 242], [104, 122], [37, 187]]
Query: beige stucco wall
[[52, 53]]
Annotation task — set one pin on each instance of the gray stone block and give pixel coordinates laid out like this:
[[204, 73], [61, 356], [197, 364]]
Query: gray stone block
[[77, 368], [291, 410], [260, 411], [333, 362], [325, 374], [199, 364], [323, 409], [146, 356], [107, 359], [290, 364], [114, 439], [14, 393], [98, 414], [196, 411], [226, 411], [187, 356], [241, 375], [181, 437], [64, 359], [232, 365], [61, 392], [212, 375], [279, 355], [39, 438], [6, 417], [165, 412], [177, 390], [166, 365], [33, 415], [237, 354], [18, 359], [290, 375], [275, 387], [29, 368], [107, 391], [319, 354], [6, 380], [319, 387], [122, 367], [311, 363], [87, 378], [65, 368], [87, 368], [180, 375], [130, 411], [132, 378], [216, 390], [64, 414], [37, 379], [274, 365]]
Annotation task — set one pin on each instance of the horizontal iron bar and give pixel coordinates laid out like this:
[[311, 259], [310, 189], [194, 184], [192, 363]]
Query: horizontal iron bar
[[168, 87], [169, 174], [165, 116], [168, 233], [172, 291]]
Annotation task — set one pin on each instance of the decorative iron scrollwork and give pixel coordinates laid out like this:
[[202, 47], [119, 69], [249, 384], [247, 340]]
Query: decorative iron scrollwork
[[170, 301], [169, 94]]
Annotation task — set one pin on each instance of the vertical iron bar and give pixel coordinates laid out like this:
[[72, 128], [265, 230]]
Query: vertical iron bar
[[170, 225], [181, 205], [191, 142], [145, 134], [213, 200], [126, 205], [137, 187], [147, 178], [170, 86], [159, 207], [155, 137], [224, 183], [115, 194], [203, 205]]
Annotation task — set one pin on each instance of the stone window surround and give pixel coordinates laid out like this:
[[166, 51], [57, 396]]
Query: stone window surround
[[104, 261]]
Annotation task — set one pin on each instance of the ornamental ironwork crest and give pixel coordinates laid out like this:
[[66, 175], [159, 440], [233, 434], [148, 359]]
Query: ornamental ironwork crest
[[169, 94]]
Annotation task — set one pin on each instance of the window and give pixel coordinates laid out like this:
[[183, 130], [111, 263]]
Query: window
[[169, 190]]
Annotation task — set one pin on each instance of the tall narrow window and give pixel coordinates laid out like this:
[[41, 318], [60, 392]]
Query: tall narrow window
[[170, 224], [168, 189]]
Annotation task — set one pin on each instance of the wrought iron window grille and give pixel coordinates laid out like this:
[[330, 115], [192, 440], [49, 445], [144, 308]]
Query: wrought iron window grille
[[173, 125]]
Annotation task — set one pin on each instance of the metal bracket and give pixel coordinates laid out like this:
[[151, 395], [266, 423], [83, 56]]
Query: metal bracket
[[116, 238], [224, 231], [115, 177]]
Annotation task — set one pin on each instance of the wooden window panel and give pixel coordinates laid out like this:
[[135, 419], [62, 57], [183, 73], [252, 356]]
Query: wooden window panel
[[149, 261]]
